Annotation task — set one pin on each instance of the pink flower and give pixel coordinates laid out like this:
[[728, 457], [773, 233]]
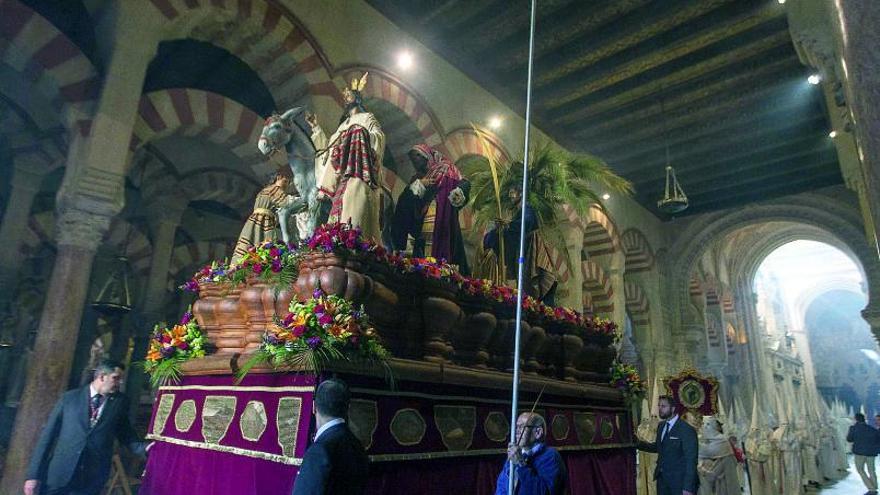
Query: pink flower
[[258, 269]]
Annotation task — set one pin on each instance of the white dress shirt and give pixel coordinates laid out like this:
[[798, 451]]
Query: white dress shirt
[[666, 429], [329, 424]]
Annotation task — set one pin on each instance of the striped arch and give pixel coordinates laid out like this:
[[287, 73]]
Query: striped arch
[[639, 255], [195, 255], [463, 141], [600, 233], [31, 45], [636, 303], [262, 33], [695, 287], [384, 86], [197, 113], [598, 292], [560, 264], [222, 186], [727, 304], [121, 235]]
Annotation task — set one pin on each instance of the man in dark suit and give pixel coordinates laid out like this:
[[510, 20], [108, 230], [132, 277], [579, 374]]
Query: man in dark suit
[[74, 452], [866, 441], [676, 449], [335, 463]]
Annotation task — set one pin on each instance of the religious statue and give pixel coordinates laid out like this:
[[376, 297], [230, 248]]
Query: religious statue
[[427, 210], [262, 224], [349, 163], [539, 278], [288, 132], [717, 463]]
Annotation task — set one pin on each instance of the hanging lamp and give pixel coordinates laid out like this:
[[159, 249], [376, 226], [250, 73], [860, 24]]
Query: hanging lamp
[[114, 293], [674, 199]]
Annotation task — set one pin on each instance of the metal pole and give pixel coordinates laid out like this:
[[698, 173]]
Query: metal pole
[[514, 405]]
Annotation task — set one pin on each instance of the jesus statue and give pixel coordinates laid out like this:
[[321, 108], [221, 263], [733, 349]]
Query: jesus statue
[[348, 164]]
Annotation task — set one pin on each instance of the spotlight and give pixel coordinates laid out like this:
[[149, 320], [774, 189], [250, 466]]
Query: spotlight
[[814, 79], [832, 134], [495, 123], [404, 60], [606, 196], [781, 2]]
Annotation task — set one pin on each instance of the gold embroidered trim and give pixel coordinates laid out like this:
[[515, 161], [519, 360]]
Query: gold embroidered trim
[[287, 420], [363, 419], [496, 426], [456, 425], [585, 427], [290, 461], [408, 427], [238, 389], [217, 414], [397, 393], [185, 416], [560, 427], [441, 455], [606, 428], [163, 410], [253, 421]]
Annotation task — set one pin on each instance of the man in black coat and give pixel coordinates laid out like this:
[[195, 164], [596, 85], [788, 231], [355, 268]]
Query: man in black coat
[[74, 452], [335, 463], [676, 448], [866, 441]]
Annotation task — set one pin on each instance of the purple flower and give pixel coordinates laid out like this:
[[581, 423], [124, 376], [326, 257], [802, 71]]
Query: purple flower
[[325, 319], [288, 319], [271, 339], [319, 309], [258, 269], [186, 318], [314, 342], [317, 293], [191, 286], [167, 351], [183, 346], [274, 252], [276, 266]]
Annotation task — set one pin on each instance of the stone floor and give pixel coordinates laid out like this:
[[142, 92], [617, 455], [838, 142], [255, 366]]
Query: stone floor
[[851, 485]]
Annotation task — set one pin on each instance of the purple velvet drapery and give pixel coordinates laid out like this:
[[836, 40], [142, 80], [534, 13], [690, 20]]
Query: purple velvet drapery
[[598, 472]]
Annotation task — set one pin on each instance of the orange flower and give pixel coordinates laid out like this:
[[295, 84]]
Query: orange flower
[[179, 332], [154, 355], [336, 330]]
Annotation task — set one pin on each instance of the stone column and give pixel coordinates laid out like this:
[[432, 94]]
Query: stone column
[[858, 21], [79, 234], [28, 174], [163, 225]]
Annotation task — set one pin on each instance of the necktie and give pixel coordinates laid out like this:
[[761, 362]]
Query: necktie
[[665, 432], [94, 407]]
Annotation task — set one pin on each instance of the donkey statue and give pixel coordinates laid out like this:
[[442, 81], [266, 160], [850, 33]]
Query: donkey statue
[[290, 131]]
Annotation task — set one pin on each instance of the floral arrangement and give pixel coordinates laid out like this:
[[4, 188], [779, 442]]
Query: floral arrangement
[[273, 261], [322, 329], [625, 377], [170, 347], [279, 262]]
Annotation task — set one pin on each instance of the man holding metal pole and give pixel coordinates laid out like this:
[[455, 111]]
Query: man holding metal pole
[[539, 468]]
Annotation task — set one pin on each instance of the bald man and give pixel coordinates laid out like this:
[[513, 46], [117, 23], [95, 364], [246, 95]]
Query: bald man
[[539, 468]]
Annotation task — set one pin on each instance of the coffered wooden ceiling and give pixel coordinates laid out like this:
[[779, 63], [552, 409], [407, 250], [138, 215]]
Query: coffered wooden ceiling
[[717, 81]]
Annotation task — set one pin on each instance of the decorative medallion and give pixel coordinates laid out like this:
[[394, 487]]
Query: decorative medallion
[[217, 414], [456, 425], [606, 428], [691, 394], [253, 421], [163, 410], [363, 417], [185, 416], [287, 421], [559, 427], [585, 427], [408, 427], [496, 427]]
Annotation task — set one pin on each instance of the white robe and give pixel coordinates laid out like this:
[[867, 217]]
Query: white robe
[[360, 202], [758, 456], [717, 466]]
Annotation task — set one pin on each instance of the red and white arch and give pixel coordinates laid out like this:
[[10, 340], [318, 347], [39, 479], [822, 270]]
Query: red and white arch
[[598, 291], [638, 252]]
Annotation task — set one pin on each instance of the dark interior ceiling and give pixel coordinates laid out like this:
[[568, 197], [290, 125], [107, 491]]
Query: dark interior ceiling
[[717, 82]]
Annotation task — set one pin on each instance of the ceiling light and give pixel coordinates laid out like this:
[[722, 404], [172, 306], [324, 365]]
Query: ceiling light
[[781, 2], [404, 60], [606, 196], [832, 134], [495, 123], [814, 79]]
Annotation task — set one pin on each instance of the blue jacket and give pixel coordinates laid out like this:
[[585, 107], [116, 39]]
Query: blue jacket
[[676, 457], [334, 464], [543, 473], [865, 439]]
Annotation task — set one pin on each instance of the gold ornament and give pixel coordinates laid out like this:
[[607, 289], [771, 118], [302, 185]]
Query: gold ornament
[[359, 84]]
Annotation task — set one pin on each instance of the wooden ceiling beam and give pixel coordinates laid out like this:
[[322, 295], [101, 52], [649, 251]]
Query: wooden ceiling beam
[[767, 182], [648, 89], [649, 55]]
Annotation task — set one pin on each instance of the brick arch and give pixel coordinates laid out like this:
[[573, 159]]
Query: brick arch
[[600, 232], [222, 186], [463, 141], [638, 252], [138, 248], [194, 255], [197, 113], [636, 303], [598, 291], [31, 45], [262, 33]]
